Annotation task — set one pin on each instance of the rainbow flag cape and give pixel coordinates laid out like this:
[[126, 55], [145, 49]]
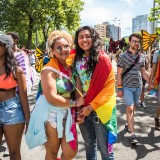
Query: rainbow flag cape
[[102, 97], [157, 74]]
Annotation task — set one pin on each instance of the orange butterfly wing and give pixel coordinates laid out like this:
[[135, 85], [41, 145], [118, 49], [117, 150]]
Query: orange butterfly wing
[[147, 39]]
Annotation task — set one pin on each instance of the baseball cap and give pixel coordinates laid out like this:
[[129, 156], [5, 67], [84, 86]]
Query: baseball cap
[[7, 40]]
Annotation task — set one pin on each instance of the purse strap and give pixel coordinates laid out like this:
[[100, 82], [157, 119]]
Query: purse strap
[[133, 64]]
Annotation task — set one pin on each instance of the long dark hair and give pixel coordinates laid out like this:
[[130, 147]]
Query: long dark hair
[[94, 51], [10, 63]]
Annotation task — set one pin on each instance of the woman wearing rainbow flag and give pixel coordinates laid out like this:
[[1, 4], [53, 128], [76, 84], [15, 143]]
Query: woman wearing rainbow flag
[[95, 79]]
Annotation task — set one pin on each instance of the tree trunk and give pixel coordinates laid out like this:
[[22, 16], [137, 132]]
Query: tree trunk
[[30, 30], [45, 32]]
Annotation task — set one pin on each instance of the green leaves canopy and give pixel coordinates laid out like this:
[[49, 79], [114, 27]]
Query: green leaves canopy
[[155, 12], [28, 16]]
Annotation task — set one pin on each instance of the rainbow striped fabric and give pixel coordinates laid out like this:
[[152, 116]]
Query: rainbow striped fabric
[[157, 75]]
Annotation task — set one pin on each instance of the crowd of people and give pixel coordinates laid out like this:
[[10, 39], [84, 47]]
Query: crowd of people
[[77, 88]]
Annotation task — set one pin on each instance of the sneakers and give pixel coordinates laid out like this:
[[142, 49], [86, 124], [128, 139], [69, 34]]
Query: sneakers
[[157, 123], [143, 105], [134, 139], [126, 128]]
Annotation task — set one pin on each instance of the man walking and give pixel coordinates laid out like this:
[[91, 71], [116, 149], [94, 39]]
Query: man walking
[[130, 68]]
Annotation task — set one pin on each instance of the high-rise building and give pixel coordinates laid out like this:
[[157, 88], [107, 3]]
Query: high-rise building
[[101, 29], [141, 22], [107, 30], [115, 32]]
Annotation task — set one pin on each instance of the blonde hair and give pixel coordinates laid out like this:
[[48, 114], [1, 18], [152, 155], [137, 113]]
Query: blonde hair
[[55, 35]]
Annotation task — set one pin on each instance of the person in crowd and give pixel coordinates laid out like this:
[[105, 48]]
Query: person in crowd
[[52, 121], [32, 58], [118, 54], [142, 103], [46, 57], [95, 79], [154, 83], [14, 108], [129, 81], [23, 60]]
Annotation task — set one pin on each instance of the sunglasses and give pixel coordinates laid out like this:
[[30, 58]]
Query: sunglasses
[[60, 48], [135, 42], [2, 44]]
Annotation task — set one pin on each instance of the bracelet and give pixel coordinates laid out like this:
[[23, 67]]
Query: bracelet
[[90, 107], [119, 89], [73, 103]]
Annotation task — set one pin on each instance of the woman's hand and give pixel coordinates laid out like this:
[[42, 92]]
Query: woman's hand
[[85, 111], [80, 101], [120, 93], [150, 86], [26, 127], [80, 119]]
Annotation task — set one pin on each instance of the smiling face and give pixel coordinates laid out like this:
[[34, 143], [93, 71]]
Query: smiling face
[[85, 40], [61, 49]]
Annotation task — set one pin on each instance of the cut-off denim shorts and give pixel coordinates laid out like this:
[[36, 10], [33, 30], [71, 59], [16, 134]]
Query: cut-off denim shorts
[[131, 95], [11, 112]]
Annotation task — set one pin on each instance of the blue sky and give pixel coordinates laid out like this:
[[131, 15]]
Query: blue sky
[[122, 11]]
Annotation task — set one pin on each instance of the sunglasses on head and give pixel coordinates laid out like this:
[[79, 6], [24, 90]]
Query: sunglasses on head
[[2, 44], [60, 48]]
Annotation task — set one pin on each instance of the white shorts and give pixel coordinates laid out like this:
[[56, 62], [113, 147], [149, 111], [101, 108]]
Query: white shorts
[[52, 118]]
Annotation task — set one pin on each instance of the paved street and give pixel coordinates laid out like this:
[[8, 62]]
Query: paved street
[[149, 138]]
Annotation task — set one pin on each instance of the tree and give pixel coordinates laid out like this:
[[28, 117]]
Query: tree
[[29, 16], [155, 12]]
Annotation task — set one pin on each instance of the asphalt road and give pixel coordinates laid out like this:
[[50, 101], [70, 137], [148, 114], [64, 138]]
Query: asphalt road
[[149, 138]]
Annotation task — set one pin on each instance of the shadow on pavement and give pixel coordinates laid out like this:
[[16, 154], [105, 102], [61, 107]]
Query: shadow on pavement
[[147, 135]]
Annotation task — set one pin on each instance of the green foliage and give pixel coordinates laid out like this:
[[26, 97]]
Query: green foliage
[[155, 12], [28, 16]]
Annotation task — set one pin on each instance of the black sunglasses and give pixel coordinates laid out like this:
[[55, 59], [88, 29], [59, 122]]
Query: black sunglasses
[[2, 44], [60, 48]]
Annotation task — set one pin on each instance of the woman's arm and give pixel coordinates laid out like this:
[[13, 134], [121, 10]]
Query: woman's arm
[[152, 76], [144, 74], [79, 86], [22, 87]]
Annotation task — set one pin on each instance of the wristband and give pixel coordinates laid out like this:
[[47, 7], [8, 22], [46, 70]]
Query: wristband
[[119, 87], [73, 103]]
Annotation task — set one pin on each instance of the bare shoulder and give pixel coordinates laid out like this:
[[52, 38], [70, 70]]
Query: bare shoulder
[[48, 72]]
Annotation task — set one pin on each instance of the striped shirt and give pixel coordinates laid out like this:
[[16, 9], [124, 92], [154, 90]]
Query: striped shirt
[[133, 78], [24, 64]]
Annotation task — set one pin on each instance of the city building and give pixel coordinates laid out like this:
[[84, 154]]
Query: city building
[[101, 29], [141, 22], [115, 32], [107, 30]]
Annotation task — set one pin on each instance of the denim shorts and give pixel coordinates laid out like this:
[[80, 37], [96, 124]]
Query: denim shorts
[[11, 112], [131, 95]]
